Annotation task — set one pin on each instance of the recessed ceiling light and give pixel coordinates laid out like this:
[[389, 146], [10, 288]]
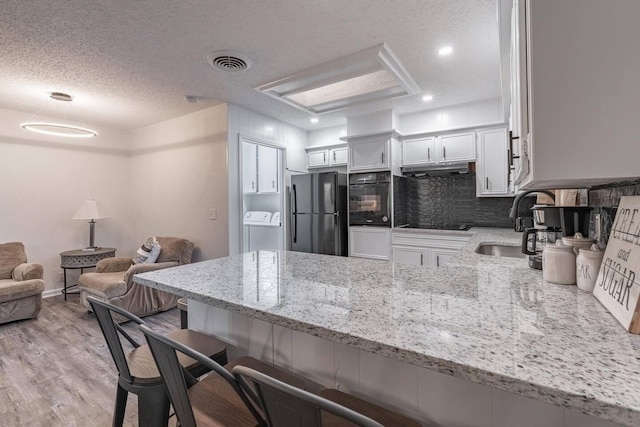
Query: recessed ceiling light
[[427, 98], [314, 120], [268, 129], [444, 51], [369, 75]]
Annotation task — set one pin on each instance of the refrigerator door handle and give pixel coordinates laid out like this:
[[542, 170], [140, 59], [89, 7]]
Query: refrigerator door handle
[[294, 213]]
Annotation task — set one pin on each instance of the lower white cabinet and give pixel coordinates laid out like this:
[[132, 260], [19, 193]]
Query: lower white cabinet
[[426, 249], [370, 242]]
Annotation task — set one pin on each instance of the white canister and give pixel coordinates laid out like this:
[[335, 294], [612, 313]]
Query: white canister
[[578, 241], [587, 267], [559, 264]]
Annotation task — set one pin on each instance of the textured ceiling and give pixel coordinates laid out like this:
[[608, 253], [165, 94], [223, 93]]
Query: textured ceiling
[[129, 63]]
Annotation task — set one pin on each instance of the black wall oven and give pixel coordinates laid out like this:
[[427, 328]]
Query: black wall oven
[[369, 199]]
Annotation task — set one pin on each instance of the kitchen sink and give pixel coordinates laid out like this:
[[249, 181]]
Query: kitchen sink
[[499, 250]]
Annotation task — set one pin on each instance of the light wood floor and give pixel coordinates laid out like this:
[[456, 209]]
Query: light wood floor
[[57, 370]]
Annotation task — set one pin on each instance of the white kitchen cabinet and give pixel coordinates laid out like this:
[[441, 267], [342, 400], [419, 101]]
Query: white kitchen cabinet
[[456, 147], [249, 168], [339, 156], [418, 151], [267, 169], [318, 158], [492, 165], [578, 104], [369, 154], [424, 248], [370, 242]]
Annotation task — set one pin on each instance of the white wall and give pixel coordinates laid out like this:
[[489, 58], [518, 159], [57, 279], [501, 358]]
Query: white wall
[[43, 181], [453, 117], [261, 128], [327, 136], [178, 173]]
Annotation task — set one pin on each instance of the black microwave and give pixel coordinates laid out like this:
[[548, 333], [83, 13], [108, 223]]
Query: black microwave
[[369, 199]]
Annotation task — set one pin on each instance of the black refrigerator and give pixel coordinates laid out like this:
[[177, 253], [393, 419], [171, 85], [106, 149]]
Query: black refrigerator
[[318, 213]]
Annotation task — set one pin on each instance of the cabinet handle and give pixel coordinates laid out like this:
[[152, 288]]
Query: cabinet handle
[[382, 156], [437, 260], [253, 185], [334, 156], [324, 157], [486, 187], [273, 184], [421, 259], [428, 154], [444, 153]]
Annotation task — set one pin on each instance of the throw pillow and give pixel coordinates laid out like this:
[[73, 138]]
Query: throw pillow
[[142, 254], [154, 254]]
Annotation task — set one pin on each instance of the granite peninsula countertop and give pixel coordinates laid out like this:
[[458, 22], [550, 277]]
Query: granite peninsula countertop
[[490, 320]]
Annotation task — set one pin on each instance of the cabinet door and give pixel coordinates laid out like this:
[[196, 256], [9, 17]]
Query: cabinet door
[[369, 242], [492, 178], [458, 147], [339, 156], [418, 151], [367, 155], [249, 168], [318, 158], [441, 256], [410, 256], [267, 169]]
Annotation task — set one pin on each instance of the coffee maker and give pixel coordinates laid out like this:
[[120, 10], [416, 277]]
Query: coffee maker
[[550, 224]]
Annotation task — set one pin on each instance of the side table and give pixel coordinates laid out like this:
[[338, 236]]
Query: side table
[[79, 259]]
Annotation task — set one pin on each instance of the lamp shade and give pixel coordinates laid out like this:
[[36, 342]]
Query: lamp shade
[[91, 209]]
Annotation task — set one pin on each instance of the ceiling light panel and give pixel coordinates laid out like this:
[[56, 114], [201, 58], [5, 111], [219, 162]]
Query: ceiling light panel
[[366, 76]]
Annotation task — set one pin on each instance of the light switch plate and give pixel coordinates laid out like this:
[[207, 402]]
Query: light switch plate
[[213, 214]]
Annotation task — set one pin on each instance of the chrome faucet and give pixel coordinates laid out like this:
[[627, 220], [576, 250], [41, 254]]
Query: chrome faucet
[[515, 208]]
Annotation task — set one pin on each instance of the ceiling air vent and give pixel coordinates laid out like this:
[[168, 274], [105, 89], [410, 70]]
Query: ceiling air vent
[[226, 60]]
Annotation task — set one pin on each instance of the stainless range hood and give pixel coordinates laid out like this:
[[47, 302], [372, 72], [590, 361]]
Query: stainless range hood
[[436, 170]]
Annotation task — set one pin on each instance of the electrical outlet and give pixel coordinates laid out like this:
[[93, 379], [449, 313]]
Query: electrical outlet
[[213, 214], [60, 276]]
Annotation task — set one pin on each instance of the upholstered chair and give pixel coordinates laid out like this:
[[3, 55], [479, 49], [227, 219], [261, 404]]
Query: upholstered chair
[[112, 281], [21, 284]]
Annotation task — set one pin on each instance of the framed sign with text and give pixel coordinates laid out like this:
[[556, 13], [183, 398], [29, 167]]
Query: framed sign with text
[[617, 285]]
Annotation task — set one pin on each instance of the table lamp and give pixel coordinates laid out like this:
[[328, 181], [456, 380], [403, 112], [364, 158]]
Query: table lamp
[[91, 210]]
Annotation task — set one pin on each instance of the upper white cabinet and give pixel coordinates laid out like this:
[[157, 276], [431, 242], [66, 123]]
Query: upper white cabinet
[[267, 169], [369, 154], [578, 88], [318, 158], [418, 151], [492, 167], [339, 156], [448, 148], [249, 168], [456, 147], [322, 157]]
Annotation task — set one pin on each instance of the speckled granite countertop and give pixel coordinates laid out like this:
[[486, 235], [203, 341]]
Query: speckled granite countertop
[[484, 319]]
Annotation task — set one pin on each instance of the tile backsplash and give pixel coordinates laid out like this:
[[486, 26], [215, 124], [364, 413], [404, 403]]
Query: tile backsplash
[[605, 200], [448, 201]]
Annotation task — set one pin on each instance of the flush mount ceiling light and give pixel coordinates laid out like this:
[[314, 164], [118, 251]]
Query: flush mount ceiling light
[[427, 98], [314, 120], [369, 75], [444, 51], [59, 129]]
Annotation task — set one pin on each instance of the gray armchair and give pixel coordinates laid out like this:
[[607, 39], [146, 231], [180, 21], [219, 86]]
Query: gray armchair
[[112, 281], [21, 284]]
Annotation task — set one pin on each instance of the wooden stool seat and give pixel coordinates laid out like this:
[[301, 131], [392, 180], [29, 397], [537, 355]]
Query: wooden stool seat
[[375, 412]]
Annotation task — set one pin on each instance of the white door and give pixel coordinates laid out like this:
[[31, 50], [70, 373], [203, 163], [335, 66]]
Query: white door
[[493, 163], [369, 154], [418, 151], [339, 156], [318, 158], [459, 147], [267, 169], [410, 256], [249, 168]]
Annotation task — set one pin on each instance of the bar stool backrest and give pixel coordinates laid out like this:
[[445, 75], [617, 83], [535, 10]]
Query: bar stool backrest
[[288, 406]]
